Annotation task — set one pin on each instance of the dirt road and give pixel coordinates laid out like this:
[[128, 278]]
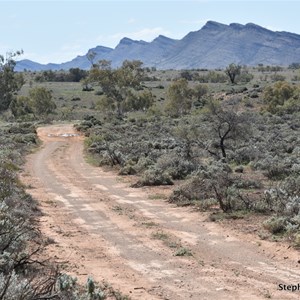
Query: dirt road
[[103, 228]]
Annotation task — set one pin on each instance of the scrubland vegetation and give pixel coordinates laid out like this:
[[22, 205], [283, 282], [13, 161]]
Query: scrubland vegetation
[[24, 271], [226, 139], [230, 142]]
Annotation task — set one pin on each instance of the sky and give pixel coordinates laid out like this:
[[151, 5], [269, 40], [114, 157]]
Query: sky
[[57, 31]]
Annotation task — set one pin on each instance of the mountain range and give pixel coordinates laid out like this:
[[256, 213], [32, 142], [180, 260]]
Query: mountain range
[[215, 45]]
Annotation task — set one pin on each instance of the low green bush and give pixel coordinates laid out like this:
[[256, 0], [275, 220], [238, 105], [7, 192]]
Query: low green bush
[[275, 224]]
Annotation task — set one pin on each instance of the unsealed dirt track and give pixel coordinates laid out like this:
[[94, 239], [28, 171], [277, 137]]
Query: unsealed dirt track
[[103, 228]]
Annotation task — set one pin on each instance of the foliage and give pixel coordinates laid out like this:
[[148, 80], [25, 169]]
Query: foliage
[[186, 74], [176, 166], [38, 105], [88, 122], [245, 76], [21, 106], [154, 176], [215, 181], [226, 125], [183, 252], [41, 101], [232, 71], [211, 128], [20, 274], [23, 275], [194, 189], [277, 94], [211, 77], [199, 93], [73, 75], [179, 98], [284, 201], [118, 85], [141, 101], [262, 68], [275, 225], [294, 66], [10, 82]]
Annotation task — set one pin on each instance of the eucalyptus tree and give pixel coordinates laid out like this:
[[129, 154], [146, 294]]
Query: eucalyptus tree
[[118, 84], [232, 71], [10, 81]]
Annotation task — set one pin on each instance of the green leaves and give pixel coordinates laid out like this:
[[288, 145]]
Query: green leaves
[[179, 98], [278, 94], [10, 82], [232, 71], [119, 85]]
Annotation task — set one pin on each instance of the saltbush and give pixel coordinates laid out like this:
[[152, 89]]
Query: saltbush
[[177, 167], [153, 177], [275, 225]]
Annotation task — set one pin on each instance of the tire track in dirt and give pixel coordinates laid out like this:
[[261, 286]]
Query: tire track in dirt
[[100, 223]]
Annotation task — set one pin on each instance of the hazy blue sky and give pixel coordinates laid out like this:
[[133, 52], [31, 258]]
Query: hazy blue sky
[[57, 31]]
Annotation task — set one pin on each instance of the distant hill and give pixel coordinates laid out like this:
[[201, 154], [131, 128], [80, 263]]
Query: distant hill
[[215, 45]]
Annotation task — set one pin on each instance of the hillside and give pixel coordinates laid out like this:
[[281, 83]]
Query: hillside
[[215, 45]]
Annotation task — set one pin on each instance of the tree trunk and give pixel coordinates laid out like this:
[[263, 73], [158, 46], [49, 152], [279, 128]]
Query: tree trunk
[[222, 146]]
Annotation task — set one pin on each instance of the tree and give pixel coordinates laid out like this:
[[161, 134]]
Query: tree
[[278, 94], [20, 106], [141, 101], [118, 84], [41, 101], [226, 125], [77, 74], [179, 98], [10, 82], [199, 92], [186, 75], [232, 71], [188, 135]]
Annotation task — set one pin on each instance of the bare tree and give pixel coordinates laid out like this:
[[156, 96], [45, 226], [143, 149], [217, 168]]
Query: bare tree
[[226, 125]]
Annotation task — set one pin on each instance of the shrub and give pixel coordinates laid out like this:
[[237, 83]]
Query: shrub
[[284, 200], [176, 166], [183, 252], [275, 224], [127, 170], [29, 138], [245, 155], [76, 99], [277, 171], [277, 77], [277, 94], [248, 184], [245, 76], [154, 176], [143, 164], [274, 167], [194, 189]]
